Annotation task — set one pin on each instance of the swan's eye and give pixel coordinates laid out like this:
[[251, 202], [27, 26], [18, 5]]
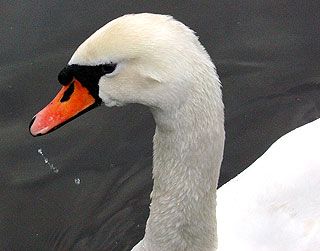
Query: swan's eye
[[108, 68]]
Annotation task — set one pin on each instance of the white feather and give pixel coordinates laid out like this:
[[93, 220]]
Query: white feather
[[273, 205]]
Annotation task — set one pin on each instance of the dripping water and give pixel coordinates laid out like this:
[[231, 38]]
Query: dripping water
[[46, 161]]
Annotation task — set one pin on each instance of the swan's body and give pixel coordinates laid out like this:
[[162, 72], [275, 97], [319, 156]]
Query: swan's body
[[160, 63], [274, 204]]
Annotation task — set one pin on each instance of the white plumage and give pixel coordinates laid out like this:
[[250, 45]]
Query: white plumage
[[272, 205]]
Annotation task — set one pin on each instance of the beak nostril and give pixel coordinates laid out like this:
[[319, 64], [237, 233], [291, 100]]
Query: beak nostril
[[67, 93], [72, 101]]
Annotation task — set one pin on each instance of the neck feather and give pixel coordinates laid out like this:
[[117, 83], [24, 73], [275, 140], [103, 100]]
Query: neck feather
[[188, 149]]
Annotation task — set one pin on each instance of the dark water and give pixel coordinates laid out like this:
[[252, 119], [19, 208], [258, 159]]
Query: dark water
[[266, 52]]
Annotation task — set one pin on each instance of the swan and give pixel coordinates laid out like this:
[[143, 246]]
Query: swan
[[157, 61]]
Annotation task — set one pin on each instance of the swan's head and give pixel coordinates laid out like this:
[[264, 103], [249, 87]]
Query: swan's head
[[140, 58]]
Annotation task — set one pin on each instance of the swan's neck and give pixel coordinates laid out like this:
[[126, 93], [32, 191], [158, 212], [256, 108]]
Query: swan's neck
[[188, 148]]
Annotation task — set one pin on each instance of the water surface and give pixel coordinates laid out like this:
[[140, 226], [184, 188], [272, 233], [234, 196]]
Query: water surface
[[267, 55]]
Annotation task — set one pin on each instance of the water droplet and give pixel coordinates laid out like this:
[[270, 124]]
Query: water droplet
[[55, 170], [46, 160], [77, 181]]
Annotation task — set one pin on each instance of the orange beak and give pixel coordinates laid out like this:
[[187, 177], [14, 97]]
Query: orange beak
[[72, 100]]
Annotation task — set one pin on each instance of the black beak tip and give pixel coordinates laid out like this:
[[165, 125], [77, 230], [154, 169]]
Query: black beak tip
[[31, 123]]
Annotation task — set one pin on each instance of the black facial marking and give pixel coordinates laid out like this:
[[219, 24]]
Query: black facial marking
[[65, 76], [88, 76], [108, 68], [67, 93]]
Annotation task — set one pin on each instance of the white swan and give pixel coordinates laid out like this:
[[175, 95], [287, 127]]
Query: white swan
[[157, 61]]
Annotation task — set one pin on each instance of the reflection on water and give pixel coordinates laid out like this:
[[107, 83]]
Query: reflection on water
[[267, 55]]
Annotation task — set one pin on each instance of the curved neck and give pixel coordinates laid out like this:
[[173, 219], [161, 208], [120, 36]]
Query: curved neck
[[188, 148]]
